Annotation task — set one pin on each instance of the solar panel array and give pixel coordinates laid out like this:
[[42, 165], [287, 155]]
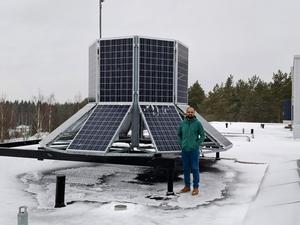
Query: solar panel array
[[210, 130], [163, 122], [99, 129], [182, 74], [156, 70], [116, 70]]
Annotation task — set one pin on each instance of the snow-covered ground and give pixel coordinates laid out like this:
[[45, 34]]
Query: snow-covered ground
[[228, 186]]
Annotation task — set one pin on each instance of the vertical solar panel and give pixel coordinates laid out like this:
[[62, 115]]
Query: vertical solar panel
[[182, 74], [163, 122], [210, 131], [116, 70], [100, 128], [156, 70]]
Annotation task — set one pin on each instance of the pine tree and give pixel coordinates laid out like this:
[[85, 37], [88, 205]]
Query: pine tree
[[196, 96]]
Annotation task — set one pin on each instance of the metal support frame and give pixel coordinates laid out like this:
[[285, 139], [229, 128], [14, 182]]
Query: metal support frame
[[135, 130], [20, 143], [170, 175], [218, 156], [60, 191], [40, 154], [152, 160], [169, 164], [252, 133]]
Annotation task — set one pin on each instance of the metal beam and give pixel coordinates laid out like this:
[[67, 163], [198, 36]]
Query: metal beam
[[20, 143], [118, 158]]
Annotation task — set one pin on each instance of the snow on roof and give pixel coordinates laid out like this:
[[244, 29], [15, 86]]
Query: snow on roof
[[227, 187]]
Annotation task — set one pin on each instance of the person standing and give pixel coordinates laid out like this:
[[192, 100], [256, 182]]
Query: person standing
[[191, 135]]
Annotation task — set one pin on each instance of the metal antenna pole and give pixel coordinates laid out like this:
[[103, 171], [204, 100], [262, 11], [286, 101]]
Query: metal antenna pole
[[100, 18]]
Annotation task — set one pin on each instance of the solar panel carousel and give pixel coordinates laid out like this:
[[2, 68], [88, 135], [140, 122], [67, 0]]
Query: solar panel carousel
[[140, 86]]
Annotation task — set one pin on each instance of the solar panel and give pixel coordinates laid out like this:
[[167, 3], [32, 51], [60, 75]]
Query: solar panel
[[162, 122], [156, 70], [182, 74], [210, 131], [116, 70], [100, 128], [68, 124]]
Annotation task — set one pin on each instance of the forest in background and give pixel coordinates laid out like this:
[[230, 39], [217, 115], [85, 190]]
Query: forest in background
[[41, 114], [253, 100]]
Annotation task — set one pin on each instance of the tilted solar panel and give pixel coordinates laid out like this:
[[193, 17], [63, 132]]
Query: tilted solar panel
[[100, 128], [162, 122], [210, 130]]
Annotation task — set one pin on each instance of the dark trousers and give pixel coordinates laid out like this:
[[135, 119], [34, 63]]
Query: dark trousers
[[190, 161]]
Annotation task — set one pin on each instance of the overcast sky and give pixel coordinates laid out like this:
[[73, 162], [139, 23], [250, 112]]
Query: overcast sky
[[44, 44]]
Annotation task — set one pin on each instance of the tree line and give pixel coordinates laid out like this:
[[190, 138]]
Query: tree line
[[41, 114], [252, 100]]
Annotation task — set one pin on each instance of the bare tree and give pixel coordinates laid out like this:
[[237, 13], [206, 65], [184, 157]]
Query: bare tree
[[77, 100], [2, 116], [51, 101], [38, 100]]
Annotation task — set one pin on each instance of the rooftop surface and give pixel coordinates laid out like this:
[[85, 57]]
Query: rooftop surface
[[248, 179]]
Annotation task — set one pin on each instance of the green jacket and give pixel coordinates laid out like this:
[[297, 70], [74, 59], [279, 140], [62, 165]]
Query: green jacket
[[190, 134]]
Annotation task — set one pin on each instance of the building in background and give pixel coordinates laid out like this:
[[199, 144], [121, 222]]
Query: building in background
[[296, 96], [23, 131]]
